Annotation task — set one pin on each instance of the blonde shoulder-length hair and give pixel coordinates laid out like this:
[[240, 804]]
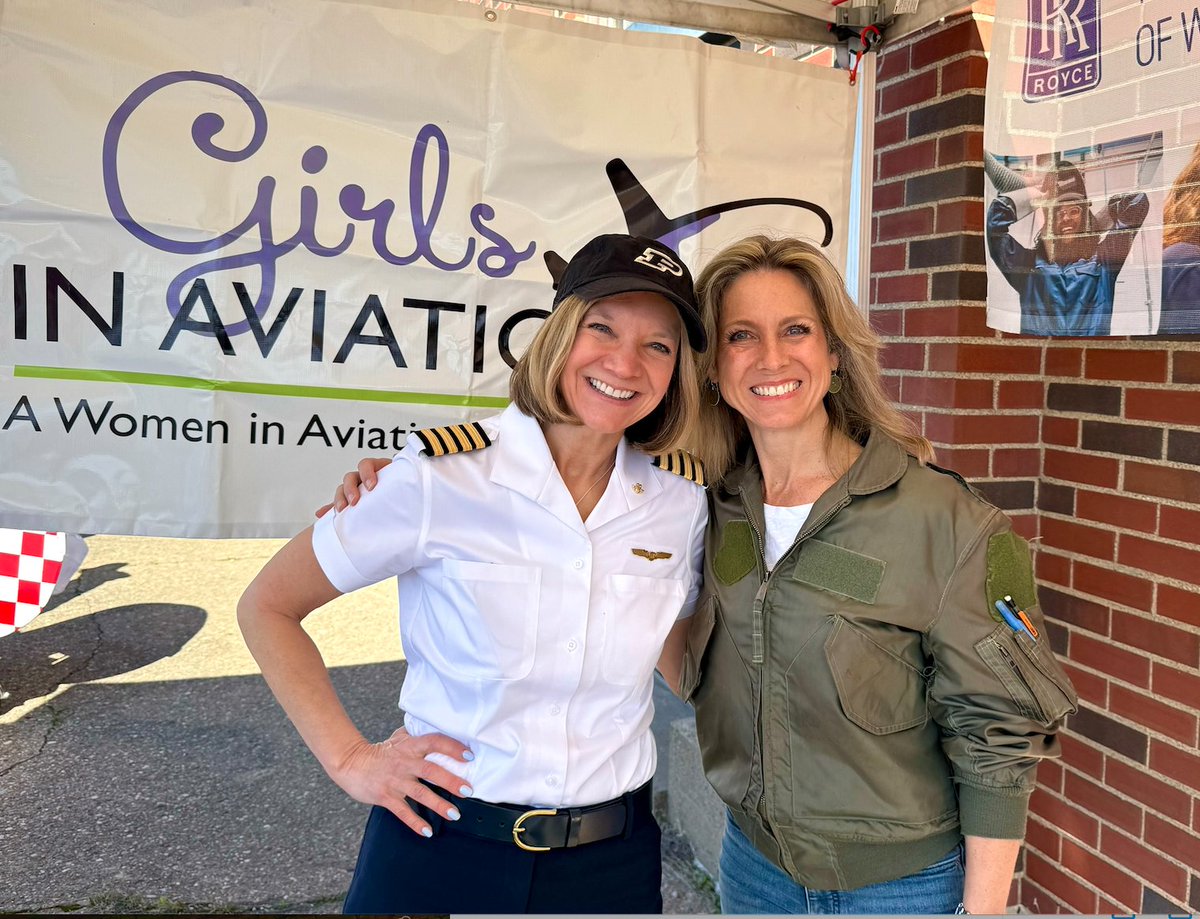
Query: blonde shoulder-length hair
[[862, 405], [534, 385], [1181, 210]]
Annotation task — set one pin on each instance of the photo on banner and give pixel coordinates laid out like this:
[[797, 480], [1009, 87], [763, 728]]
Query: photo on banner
[[1091, 166], [244, 245]]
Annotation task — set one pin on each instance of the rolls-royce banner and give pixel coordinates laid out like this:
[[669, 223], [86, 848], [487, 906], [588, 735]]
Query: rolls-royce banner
[[244, 243], [1092, 140]]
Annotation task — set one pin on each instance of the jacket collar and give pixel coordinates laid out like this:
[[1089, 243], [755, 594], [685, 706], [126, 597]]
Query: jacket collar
[[881, 464]]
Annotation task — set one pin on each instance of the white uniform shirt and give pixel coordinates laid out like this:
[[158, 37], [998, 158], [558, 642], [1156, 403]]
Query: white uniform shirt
[[531, 636]]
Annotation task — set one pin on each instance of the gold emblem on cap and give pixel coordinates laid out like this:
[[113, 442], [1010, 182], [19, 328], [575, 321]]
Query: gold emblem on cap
[[637, 488]]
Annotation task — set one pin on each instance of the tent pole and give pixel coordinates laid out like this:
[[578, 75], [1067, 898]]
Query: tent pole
[[866, 174]]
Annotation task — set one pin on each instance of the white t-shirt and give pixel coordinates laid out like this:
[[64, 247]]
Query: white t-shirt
[[783, 523], [531, 635]]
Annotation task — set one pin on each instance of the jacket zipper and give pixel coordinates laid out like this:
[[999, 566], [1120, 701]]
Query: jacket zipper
[[757, 624], [1012, 665], [1029, 649], [758, 655]]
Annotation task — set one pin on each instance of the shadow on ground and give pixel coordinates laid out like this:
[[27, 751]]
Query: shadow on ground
[[194, 795], [104, 644], [87, 579]]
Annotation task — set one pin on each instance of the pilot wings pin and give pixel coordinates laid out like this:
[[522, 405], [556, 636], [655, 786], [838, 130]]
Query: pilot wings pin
[[649, 554]]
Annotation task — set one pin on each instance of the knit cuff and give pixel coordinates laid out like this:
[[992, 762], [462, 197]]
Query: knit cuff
[[992, 813]]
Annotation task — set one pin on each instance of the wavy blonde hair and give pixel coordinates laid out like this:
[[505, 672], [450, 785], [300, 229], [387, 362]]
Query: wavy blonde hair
[[1181, 209], [534, 385], [863, 404]]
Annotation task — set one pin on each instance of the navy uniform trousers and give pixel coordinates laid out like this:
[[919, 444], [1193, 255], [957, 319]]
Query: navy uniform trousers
[[401, 872]]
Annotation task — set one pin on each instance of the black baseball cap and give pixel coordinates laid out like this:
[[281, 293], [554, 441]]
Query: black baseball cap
[[617, 264]]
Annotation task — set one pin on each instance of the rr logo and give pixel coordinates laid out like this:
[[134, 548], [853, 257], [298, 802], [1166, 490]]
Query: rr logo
[[1061, 26], [1063, 48], [659, 261]]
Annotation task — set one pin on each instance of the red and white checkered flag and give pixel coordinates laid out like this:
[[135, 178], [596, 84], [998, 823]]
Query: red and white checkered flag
[[29, 566]]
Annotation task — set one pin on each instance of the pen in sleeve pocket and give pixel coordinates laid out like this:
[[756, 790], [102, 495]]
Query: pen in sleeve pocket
[[1015, 618]]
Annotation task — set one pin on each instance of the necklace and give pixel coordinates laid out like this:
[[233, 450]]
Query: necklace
[[579, 500]]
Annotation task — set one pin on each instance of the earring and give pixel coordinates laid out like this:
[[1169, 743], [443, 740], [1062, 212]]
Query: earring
[[714, 387], [835, 384]]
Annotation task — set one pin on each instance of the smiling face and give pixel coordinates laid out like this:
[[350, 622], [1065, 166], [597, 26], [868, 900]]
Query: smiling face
[[1066, 235], [773, 358], [622, 360], [1067, 218]]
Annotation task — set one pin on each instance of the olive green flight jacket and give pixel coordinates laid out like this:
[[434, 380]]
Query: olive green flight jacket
[[864, 705]]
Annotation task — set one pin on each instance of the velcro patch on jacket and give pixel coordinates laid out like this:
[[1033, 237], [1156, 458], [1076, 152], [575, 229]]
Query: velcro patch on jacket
[[737, 556], [682, 463], [453, 438], [1009, 572], [839, 570]]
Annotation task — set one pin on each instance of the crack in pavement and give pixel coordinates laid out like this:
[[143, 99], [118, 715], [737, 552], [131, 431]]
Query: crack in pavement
[[58, 715]]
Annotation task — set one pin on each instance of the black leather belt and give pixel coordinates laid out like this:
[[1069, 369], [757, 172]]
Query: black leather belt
[[539, 829]]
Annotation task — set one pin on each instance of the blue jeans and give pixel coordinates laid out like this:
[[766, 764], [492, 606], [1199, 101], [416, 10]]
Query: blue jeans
[[751, 884]]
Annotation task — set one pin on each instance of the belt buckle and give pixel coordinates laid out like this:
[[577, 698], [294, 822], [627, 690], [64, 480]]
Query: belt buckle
[[518, 829]]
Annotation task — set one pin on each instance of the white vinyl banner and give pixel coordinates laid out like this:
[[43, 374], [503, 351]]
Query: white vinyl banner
[[1092, 140], [245, 243]]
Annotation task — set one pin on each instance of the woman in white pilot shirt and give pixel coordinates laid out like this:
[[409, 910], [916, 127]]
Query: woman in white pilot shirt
[[544, 556]]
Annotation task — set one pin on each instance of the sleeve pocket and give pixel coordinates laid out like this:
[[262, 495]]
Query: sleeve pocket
[[699, 632], [1030, 674], [878, 691]]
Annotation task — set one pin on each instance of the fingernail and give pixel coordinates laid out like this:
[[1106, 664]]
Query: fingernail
[[466, 791], [453, 813], [426, 832], [468, 755]]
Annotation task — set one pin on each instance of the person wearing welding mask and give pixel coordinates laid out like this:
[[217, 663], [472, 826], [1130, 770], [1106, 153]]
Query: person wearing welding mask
[[1067, 280]]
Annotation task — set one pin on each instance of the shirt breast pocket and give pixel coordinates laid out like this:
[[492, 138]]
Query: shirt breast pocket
[[488, 627], [638, 614]]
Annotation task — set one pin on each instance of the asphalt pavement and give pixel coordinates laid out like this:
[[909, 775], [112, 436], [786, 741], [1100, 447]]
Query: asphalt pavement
[[145, 768]]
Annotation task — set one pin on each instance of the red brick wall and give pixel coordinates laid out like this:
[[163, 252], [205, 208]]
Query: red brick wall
[[1093, 447]]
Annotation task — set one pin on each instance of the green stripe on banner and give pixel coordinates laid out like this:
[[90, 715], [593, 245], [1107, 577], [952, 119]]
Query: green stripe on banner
[[266, 389]]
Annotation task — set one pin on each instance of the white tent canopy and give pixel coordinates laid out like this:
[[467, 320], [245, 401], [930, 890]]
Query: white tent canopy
[[794, 23], [773, 22]]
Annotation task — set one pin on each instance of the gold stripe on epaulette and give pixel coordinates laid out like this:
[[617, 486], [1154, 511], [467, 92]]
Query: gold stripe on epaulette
[[453, 438], [682, 464]]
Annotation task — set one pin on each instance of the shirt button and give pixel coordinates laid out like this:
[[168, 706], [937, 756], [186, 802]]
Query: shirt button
[[555, 709], [551, 780], [572, 645], [577, 564]]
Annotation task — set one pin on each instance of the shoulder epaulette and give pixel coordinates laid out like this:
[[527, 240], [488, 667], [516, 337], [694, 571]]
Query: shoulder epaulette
[[453, 438], [682, 463], [957, 477]]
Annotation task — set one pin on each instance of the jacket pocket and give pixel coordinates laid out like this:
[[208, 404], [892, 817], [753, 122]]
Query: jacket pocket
[[878, 691], [488, 627], [1030, 674], [638, 613], [699, 632]]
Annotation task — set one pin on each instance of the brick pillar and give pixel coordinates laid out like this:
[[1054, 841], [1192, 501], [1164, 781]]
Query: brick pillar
[[929, 282], [1093, 447]]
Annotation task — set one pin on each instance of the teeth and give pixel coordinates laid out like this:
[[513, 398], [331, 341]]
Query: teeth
[[610, 391], [775, 390]]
